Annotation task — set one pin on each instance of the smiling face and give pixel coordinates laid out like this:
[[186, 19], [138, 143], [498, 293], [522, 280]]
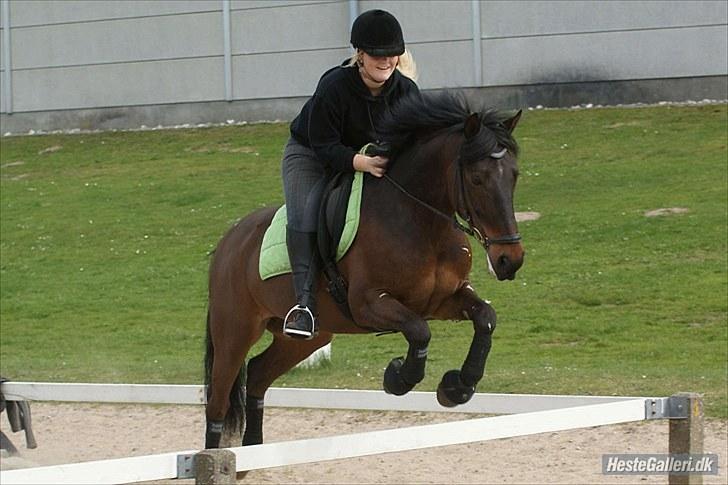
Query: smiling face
[[375, 71]]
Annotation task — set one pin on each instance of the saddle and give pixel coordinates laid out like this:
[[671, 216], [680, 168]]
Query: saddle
[[334, 204], [338, 224], [331, 223]]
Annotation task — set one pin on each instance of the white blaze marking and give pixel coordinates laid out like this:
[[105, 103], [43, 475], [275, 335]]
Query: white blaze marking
[[490, 265]]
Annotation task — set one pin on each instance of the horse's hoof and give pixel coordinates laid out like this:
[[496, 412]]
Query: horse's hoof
[[393, 382], [251, 440], [452, 392]]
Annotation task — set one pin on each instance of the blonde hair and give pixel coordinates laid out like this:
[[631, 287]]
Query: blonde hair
[[406, 63]]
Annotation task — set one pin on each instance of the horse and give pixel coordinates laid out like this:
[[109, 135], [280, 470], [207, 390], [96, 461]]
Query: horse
[[409, 263]]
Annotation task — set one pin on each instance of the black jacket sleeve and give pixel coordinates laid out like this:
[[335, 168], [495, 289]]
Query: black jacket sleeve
[[324, 135]]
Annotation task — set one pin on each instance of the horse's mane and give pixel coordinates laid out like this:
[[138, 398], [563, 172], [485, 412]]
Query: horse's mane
[[427, 113]]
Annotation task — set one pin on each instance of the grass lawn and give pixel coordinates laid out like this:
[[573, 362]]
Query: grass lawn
[[104, 242]]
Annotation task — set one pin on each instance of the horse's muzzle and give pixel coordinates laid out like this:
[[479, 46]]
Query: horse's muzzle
[[506, 260]]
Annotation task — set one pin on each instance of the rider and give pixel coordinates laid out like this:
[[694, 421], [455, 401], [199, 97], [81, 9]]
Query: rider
[[332, 126]]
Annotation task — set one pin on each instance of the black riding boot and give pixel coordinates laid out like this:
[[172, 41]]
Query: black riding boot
[[305, 263]]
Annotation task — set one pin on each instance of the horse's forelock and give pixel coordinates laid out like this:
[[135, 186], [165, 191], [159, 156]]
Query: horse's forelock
[[493, 138], [494, 120], [479, 147]]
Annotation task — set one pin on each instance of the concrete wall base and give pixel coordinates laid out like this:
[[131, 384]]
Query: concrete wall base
[[555, 95]]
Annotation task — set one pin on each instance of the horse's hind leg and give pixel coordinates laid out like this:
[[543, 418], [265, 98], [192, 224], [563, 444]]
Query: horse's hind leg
[[280, 357], [229, 340]]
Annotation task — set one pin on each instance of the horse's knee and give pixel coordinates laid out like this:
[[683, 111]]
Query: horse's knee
[[256, 382], [418, 334], [484, 317]]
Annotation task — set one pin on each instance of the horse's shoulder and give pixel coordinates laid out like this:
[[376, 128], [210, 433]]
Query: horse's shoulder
[[455, 253]]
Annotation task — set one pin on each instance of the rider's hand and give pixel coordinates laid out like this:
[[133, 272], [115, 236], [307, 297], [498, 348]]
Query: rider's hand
[[376, 166]]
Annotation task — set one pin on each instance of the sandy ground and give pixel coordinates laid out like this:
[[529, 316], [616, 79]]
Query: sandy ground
[[82, 432]]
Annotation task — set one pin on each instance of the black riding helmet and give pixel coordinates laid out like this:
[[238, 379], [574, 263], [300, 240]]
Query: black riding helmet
[[377, 33]]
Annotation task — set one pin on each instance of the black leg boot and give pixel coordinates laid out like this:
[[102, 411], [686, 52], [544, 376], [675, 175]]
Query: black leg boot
[[213, 434], [253, 421], [300, 322]]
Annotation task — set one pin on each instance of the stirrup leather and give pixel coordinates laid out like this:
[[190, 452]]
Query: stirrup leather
[[295, 331]]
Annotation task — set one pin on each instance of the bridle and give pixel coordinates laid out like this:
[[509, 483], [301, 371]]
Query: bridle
[[468, 227]]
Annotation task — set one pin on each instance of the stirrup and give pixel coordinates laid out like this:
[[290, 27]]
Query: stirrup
[[298, 333]]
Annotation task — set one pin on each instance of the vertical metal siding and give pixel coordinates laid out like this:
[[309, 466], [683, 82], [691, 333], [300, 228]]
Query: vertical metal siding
[[227, 47], [146, 52], [7, 64]]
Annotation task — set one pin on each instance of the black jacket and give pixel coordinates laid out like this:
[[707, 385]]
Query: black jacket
[[342, 115]]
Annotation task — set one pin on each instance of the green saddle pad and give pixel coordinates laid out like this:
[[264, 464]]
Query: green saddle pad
[[273, 252]]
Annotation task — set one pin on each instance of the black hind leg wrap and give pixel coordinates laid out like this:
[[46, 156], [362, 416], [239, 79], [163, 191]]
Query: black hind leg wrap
[[213, 434], [253, 421]]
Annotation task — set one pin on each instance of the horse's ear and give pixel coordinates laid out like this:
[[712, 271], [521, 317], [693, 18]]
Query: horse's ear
[[511, 123], [472, 125]]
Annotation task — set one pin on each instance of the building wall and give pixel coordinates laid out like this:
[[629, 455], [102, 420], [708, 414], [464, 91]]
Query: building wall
[[105, 64]]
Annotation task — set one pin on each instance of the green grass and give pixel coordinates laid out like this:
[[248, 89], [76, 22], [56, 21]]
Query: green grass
[[105, 239]]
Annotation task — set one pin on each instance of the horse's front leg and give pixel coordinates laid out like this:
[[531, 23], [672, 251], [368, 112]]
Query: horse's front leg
[[379, 309], [458, 386]]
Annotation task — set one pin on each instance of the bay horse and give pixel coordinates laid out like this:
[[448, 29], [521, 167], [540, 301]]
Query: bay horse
[[409, 263]]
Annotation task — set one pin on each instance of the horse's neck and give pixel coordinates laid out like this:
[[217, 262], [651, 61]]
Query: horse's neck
[[427, 171]]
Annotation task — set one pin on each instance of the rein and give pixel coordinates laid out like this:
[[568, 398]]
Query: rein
[[468, 227]]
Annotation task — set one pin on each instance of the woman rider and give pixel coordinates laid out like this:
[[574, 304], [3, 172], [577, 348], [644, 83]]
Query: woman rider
[[326, 136]]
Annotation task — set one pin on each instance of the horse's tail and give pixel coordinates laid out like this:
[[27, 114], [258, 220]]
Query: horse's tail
[[235, 417]]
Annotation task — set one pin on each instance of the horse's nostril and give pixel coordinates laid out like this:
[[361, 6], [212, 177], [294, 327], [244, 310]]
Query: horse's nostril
[[503, 261]]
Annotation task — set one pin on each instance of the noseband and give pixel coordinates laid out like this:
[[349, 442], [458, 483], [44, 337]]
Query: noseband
[[468, 227]]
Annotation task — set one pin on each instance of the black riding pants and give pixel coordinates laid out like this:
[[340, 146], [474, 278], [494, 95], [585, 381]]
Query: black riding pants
[[304, 180]]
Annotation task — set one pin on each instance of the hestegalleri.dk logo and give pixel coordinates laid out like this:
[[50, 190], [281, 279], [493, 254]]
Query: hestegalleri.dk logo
[[660, 464]]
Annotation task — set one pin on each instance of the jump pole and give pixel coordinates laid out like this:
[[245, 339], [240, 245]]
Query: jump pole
[[684, 410], [184, 464]]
